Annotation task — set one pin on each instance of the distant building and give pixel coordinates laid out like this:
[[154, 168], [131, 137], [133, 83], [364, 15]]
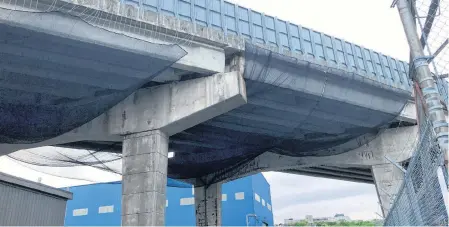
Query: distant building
[[245, 202], [341, 217], [310, 219], [291, 221]]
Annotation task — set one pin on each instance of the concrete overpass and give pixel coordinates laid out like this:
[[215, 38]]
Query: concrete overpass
[[249, 93]]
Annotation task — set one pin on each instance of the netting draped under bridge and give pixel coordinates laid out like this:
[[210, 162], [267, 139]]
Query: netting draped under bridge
[[319, 116], [269, 78], [55, 81]]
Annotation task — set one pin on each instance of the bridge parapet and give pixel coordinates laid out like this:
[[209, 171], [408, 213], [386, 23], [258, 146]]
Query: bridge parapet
[[227, 25]]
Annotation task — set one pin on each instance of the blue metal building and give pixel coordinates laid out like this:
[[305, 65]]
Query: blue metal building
[[246, 201]]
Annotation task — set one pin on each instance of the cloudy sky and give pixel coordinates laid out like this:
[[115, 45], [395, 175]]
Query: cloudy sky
[[370, 23]]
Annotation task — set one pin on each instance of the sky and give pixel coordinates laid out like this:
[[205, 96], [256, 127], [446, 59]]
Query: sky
[[369, 23]]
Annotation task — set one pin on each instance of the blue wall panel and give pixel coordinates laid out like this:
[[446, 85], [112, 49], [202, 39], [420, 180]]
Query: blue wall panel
[[240, 208], [260, 28], [177, 215], [234, 209], [262, 209], [107, 194]]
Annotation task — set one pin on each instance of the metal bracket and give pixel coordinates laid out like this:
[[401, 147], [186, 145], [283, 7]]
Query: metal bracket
[[440, 48], [396, 164], [418, 62]]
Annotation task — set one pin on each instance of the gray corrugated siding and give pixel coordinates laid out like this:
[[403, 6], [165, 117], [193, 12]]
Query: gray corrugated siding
[[20, 206]]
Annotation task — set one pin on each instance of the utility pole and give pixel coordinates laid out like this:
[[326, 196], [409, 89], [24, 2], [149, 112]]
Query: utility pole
[[424, 77]]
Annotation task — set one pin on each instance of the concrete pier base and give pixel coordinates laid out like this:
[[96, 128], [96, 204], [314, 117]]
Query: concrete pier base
[[145, 160], [208, 205], [388, 180]]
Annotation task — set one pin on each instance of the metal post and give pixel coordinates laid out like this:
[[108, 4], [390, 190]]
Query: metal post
[[424, 77]]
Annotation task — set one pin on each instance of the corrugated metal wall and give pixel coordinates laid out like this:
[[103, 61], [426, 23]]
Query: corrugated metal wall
[[22, 206]]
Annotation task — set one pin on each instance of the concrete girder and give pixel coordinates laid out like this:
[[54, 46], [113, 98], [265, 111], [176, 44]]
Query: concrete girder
[[330, 175], [201, 58], [346, 170], [396, 143], [175, 107], [299, 172], [207, 97]]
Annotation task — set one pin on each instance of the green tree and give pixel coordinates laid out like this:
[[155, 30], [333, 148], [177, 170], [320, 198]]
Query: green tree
[[301, 223]]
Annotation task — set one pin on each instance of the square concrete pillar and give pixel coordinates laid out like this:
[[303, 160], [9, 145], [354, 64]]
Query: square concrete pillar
[[208, 205], [388, 179], [145, 160]]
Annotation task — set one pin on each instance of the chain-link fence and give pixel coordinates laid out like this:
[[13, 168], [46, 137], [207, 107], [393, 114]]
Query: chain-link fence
[[420, 200], [433, 27]]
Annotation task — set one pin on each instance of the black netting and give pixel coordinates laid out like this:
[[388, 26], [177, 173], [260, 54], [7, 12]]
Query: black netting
[[295, 107], [56, 83]]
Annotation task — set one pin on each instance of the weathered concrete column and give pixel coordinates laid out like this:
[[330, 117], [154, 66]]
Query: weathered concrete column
[[208, 205], [144, 179], [388, 180]]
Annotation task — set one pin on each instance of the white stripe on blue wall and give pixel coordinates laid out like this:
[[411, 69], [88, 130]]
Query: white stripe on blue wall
[[80, 212], [257, 197], [187, 201], [239, 195], [106, 209]]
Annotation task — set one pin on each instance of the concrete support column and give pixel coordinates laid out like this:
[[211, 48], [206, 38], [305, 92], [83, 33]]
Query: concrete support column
[[388, 180], [208, 205], [145, 159]]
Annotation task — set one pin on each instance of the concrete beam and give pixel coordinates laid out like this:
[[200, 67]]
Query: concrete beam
[[208, 205], [328, 176], [397, 143], [201, 58], [347, 170], [175, 107]]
